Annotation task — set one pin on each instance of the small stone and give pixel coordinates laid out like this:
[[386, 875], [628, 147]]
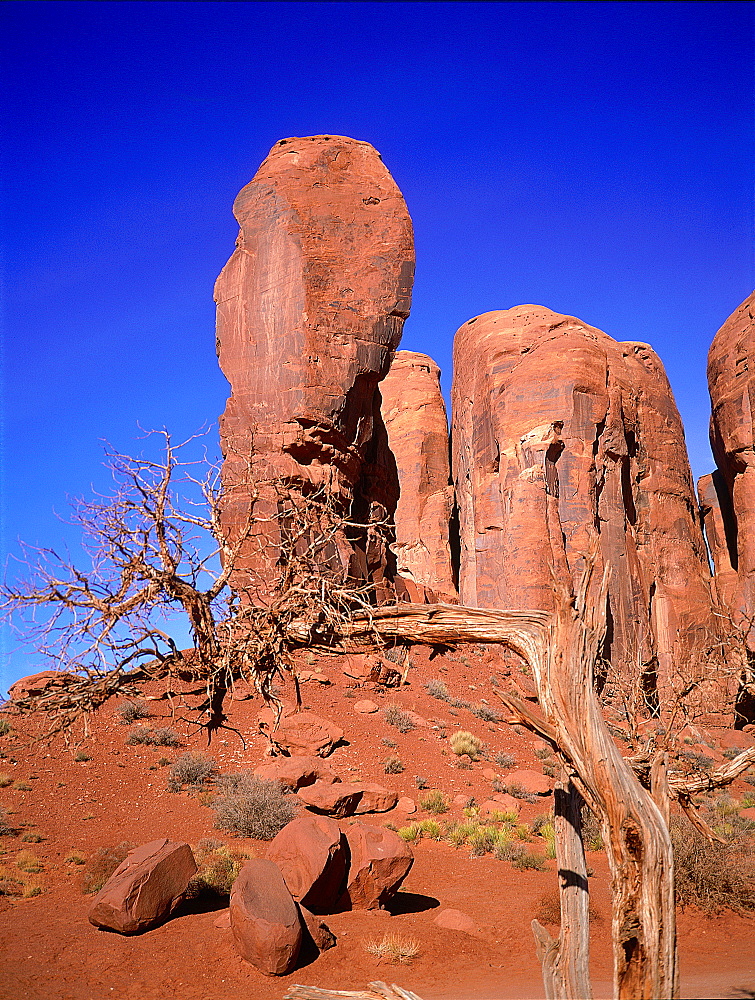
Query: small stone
[[456, 920], [532, 782], [407, 805], [380, 861], [366, 707], [332, 799]]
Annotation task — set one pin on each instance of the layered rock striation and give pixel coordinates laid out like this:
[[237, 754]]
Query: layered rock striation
[[415, 418], [310, 308], [728, 496], [554, 418]]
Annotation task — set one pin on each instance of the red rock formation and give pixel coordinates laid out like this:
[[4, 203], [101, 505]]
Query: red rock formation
[[310, 309], [415, 419], [380, 861], [731, 381], [539, 396], [311, 854], [265, 920], [720, 531]]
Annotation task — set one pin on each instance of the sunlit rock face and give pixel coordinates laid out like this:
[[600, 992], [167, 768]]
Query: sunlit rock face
[[731, 382], [549, 410], [415, 418], [310, 308]]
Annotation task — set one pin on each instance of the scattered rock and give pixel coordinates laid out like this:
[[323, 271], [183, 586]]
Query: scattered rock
[[296, 772], [223, 920], [332, 799], [366, 707], [375, 798], [489, 774], [380, 861], [748, 813], [145, 888], [311, 854], [531, 781], [505, 802], [301, 733], [407, 805], [318, 931], [267, 930], [455, 920]]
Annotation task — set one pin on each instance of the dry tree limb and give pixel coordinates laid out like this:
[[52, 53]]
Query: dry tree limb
[[376, 991]]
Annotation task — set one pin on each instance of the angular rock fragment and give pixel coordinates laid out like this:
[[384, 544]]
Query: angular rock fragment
[[145, 888], [331, 799], [265, 921], [296, 772], [311, 854], [380, 861], [374, 798], [318, 932], [301, 734], [532, 782]]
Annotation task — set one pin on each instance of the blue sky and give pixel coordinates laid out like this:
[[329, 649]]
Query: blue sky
[[596, 158]]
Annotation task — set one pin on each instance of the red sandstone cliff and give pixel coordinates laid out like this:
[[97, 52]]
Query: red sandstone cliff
[[415, 419], [618, 465], [310, 308], [731, 535]]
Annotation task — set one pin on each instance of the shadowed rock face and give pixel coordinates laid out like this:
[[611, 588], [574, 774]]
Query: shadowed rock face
[[415, 419], [731, 381], [310, 309], [540, 394]]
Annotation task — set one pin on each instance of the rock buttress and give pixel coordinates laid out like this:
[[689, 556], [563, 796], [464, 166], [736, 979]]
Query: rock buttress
[[533, 388]]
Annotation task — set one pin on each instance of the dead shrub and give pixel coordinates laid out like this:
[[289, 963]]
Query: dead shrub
[[548, 909], [190, 769], [712, 877], [437, 689], [393, 765], [102, 864], [397, 717], [6, 830], [130, 711], [163, 736], [251, 807]]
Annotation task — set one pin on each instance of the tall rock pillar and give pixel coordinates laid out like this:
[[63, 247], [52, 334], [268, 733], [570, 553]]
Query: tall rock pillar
[[415, 418], [310, 308]]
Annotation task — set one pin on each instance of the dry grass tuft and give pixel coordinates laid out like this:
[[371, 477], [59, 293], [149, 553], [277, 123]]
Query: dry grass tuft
[[393, 948], [463, 742], [712, 877]]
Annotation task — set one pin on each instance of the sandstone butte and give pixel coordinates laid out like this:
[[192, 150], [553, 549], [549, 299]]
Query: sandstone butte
[[310, 308], [728, 496], [533, 388], [415, 418]]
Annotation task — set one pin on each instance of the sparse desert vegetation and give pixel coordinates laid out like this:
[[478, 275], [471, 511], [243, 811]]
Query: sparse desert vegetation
[[250, 807]]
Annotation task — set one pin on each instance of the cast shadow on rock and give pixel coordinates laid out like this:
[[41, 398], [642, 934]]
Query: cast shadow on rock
[[410, 902]]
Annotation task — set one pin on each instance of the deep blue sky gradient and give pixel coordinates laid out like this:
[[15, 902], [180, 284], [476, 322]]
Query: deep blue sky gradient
[[596, 158]]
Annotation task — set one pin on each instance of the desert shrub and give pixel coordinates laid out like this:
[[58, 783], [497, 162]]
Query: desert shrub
[[483, 840], [463, 742], [27, 861], [163, 736], [548, 833], [522, 831], [435, 802], [542, 753], [548, 909], [32, 838], [431, 828], [252, 807], [504, 760], [518, 791], [540, 821], [592, 834], [22, 786], [393, 948], [5, 780], [528, 860], [393, 765], [486, 713], [460, 703], [437, 689], [218, 867], [507, 850], [499, 816], [731, 752], [388, 742], [5, 828], [419, 781], [75, 858], [82, 756], [410, 833], [711, 877], [130, 711], [102, 864], [10, 885], [190, 769], [397, 717], [5, 727]]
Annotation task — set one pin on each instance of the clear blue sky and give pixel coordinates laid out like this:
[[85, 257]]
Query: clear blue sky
[[596, 158]]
